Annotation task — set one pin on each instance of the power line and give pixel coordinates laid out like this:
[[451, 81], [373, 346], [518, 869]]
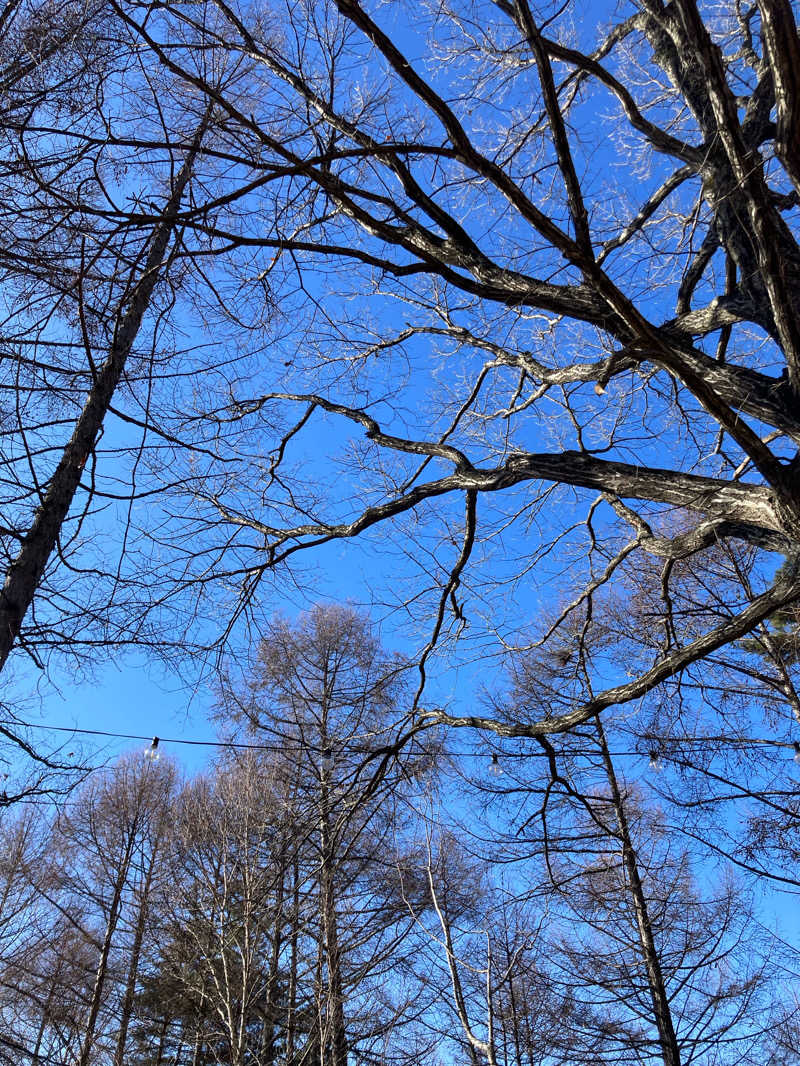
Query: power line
[[664, 742], [164, 740]]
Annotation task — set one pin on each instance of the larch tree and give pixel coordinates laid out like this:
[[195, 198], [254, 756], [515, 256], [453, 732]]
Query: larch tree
[[104, 847], [325, 699]]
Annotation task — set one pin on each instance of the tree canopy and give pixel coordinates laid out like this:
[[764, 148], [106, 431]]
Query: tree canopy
[[489, 286]]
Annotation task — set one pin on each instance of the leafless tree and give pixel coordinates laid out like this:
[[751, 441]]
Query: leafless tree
[[598, 287], [105, 847], [633, 959], [77, 889], [326, 698], [591, 236], [519, 299]]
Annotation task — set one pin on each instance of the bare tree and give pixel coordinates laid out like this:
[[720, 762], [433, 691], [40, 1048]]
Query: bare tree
[[603, 911], [77, 888], [546, 353], [522, 250], [519, 295], [325, 698], [105, 846], [222, 923]]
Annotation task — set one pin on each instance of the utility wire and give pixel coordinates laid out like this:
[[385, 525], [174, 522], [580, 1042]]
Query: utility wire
[[649, 738]]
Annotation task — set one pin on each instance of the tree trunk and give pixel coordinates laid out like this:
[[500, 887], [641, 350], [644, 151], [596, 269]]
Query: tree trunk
[[662, 1012], [161, 1041], [335, 1005], [267, 1042], [291, 1018], [102, 965], [25, 572], [334, 1008], [133, 967], [37, 1047], [197, 1051]]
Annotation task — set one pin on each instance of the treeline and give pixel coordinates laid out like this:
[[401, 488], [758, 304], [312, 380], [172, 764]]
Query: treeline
[[319, 897]]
